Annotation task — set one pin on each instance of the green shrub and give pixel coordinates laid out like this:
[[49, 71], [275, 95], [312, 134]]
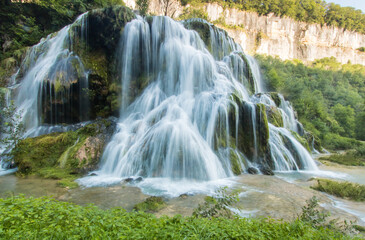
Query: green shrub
[[348, 190], [355, 157], [312, 215], [218, 205], [151, 204]]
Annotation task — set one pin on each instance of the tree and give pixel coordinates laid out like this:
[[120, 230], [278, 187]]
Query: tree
[[345, 116], [142, 6], [11, 127], [168, 7]]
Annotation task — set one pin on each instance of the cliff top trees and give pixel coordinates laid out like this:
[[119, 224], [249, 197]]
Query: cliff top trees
[[311, 11]]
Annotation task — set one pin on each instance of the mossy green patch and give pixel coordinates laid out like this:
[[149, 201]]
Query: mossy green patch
[[302, 140], [67, 183], [350, 158], [151, 204], [235, 159], [275, 97], [55, 155], [348, 190], [262, 128], [275, 117]]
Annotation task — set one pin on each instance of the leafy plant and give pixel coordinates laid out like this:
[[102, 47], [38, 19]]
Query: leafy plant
[[310, 214], [143, 6], [355, 157], [218, 205], [349, 190], [11, 127]]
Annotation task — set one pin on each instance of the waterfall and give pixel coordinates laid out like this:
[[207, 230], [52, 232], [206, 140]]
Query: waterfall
[[169, 130], [287, 111], [255, 68], [192, 106], [48, 72]]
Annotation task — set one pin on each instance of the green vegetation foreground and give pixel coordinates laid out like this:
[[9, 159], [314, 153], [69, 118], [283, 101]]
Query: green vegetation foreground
[[45, 218]]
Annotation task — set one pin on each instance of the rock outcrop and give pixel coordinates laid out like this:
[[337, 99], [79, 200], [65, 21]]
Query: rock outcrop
[[281, 36]]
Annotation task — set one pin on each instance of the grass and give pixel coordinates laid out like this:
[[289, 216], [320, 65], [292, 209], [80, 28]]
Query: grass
[[46, 218], [347, 190], [151, 204], [350, 158], [65, 179]]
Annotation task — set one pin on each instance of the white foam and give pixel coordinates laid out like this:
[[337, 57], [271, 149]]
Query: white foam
[[162, 186], [7, 171]]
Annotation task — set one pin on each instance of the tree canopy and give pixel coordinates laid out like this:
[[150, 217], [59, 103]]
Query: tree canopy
[[328, 97]]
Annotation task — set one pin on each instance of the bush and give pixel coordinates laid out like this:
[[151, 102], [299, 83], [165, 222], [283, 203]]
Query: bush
[[349, 190], [312, 215], [218, 205], [355, 157]]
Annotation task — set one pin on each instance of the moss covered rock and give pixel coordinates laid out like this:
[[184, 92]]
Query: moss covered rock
[[79, 88], [252, 137], [276, 98], [202, 28], [274, 116], [313, 142], [236, 160], [302, 140], [63, 155], [151, 205]]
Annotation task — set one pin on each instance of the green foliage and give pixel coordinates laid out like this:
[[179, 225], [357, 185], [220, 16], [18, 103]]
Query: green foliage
[[334, 141], [218, 205], [151, 204], [349, 190], [355, 157], [361, 49], [46, 218], [328, 97], [54, 155], [310, 214], [359, 228], [11, 128], [194, 13], [142, 6], [311, 11]]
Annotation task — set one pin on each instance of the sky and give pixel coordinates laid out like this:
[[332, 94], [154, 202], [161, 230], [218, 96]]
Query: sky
[[358, 4]]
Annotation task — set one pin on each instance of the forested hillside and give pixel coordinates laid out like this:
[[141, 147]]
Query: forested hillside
[[328, 97], [311, 11]]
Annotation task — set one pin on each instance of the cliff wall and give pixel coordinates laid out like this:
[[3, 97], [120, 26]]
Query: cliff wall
[[276, 36]]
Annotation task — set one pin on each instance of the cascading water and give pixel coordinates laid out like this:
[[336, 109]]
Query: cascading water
[[200, 116], [48, 75], [171, 130], [49, 86]]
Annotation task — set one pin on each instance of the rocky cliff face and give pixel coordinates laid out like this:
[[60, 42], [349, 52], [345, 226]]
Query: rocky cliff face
[[282, 37]]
